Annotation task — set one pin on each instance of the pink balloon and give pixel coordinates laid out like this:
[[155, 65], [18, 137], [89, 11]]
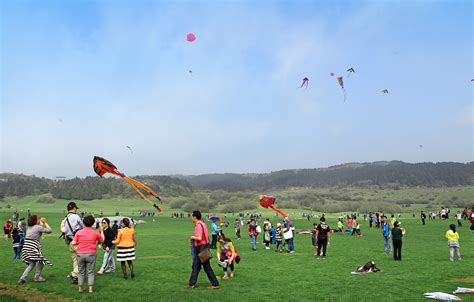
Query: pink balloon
[[190, 37]]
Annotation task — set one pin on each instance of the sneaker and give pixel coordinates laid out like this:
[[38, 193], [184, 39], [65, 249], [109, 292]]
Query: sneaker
[[189, 286], [292, 252], [21, 282], [74, 280], [100, 273], [132, 274], [214, 287], [267, 248], [39, 279]]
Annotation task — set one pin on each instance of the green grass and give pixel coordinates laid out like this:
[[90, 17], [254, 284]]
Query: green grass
[[163, 263]]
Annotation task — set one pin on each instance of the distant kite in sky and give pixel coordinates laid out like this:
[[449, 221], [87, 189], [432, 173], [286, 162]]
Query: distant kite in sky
[[421, 146], [331, 74], [129, 148], [385, 91], [60, 119], [340, 80], [268, 202], [304, 83], [350, 70], [190, 72], [190, 37], [102, 166]]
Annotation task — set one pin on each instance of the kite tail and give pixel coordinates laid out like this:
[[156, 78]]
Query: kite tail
[[344, 93], [278, 211], [127, 179], [143, 186]]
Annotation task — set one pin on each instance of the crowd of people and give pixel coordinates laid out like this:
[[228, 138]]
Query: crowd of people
[[82, 240]]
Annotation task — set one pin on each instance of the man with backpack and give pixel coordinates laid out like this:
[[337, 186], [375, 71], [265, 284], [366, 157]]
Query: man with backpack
[[72, 224]]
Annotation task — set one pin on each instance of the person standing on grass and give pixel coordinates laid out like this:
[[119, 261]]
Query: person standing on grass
[[200, 240], [7, 229], [386, 235], [459, 218], [471, 219], [214, 231], [423, 217], [289, 229], [314, 238], [397, 241], [73, 223], [266, 233], [16, 244], [371, 219], [108, 264], [453, 242], [227, 255], [237, 228], [279, 238], [252, 231], [125, 243], [22, 231], [32, 253], [85, 241], [323, 232], [377, 220]]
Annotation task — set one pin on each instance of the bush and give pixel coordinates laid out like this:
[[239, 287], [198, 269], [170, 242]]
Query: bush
[[46, 200], [177, 203]]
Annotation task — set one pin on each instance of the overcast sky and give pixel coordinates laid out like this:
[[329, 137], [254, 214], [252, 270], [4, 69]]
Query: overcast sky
[[85, 78]]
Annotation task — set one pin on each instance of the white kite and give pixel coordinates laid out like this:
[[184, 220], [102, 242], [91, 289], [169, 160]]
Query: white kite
[[442, 296]]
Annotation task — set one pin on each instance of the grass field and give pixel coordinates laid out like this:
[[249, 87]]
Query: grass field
[[163, 264]]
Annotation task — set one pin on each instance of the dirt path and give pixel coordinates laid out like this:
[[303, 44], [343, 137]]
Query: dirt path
[[29, 294]]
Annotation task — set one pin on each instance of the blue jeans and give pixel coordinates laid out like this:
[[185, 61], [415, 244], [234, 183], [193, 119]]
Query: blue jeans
[[16, 252], [387, 244], [291, 246], [254, 242]]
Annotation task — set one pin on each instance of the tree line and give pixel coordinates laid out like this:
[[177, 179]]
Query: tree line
[[88, 188], [382, 174]]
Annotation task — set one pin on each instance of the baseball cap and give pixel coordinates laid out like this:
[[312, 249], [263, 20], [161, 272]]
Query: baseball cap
[[71, 206]]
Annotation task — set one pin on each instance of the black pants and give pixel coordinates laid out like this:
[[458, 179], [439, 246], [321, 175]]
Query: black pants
[[423, 221], [459, 223], [322, 242], [214, 241], [197, 268], [397, 250], [370, 223], [238, 233]]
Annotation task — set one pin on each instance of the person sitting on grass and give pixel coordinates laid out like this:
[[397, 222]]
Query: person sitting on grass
[[125, 243], [227, 255], [340, 226], [85, 240], [32, 253]]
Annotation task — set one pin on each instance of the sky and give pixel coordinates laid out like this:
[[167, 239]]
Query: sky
[[86, 78]]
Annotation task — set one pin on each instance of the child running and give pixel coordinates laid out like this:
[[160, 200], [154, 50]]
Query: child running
[[125, 243]]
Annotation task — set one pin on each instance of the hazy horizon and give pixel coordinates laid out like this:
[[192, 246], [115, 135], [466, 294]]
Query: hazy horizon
[[80, 79]]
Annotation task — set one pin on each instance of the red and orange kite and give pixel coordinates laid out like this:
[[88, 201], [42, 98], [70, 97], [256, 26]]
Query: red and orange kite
[[102, 166], [268, 202]]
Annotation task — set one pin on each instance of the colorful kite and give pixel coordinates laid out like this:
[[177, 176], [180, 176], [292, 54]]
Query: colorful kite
[[102, 166], [340, 80], [190, 37], [305, 83], [268, 202], [214, 218]]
